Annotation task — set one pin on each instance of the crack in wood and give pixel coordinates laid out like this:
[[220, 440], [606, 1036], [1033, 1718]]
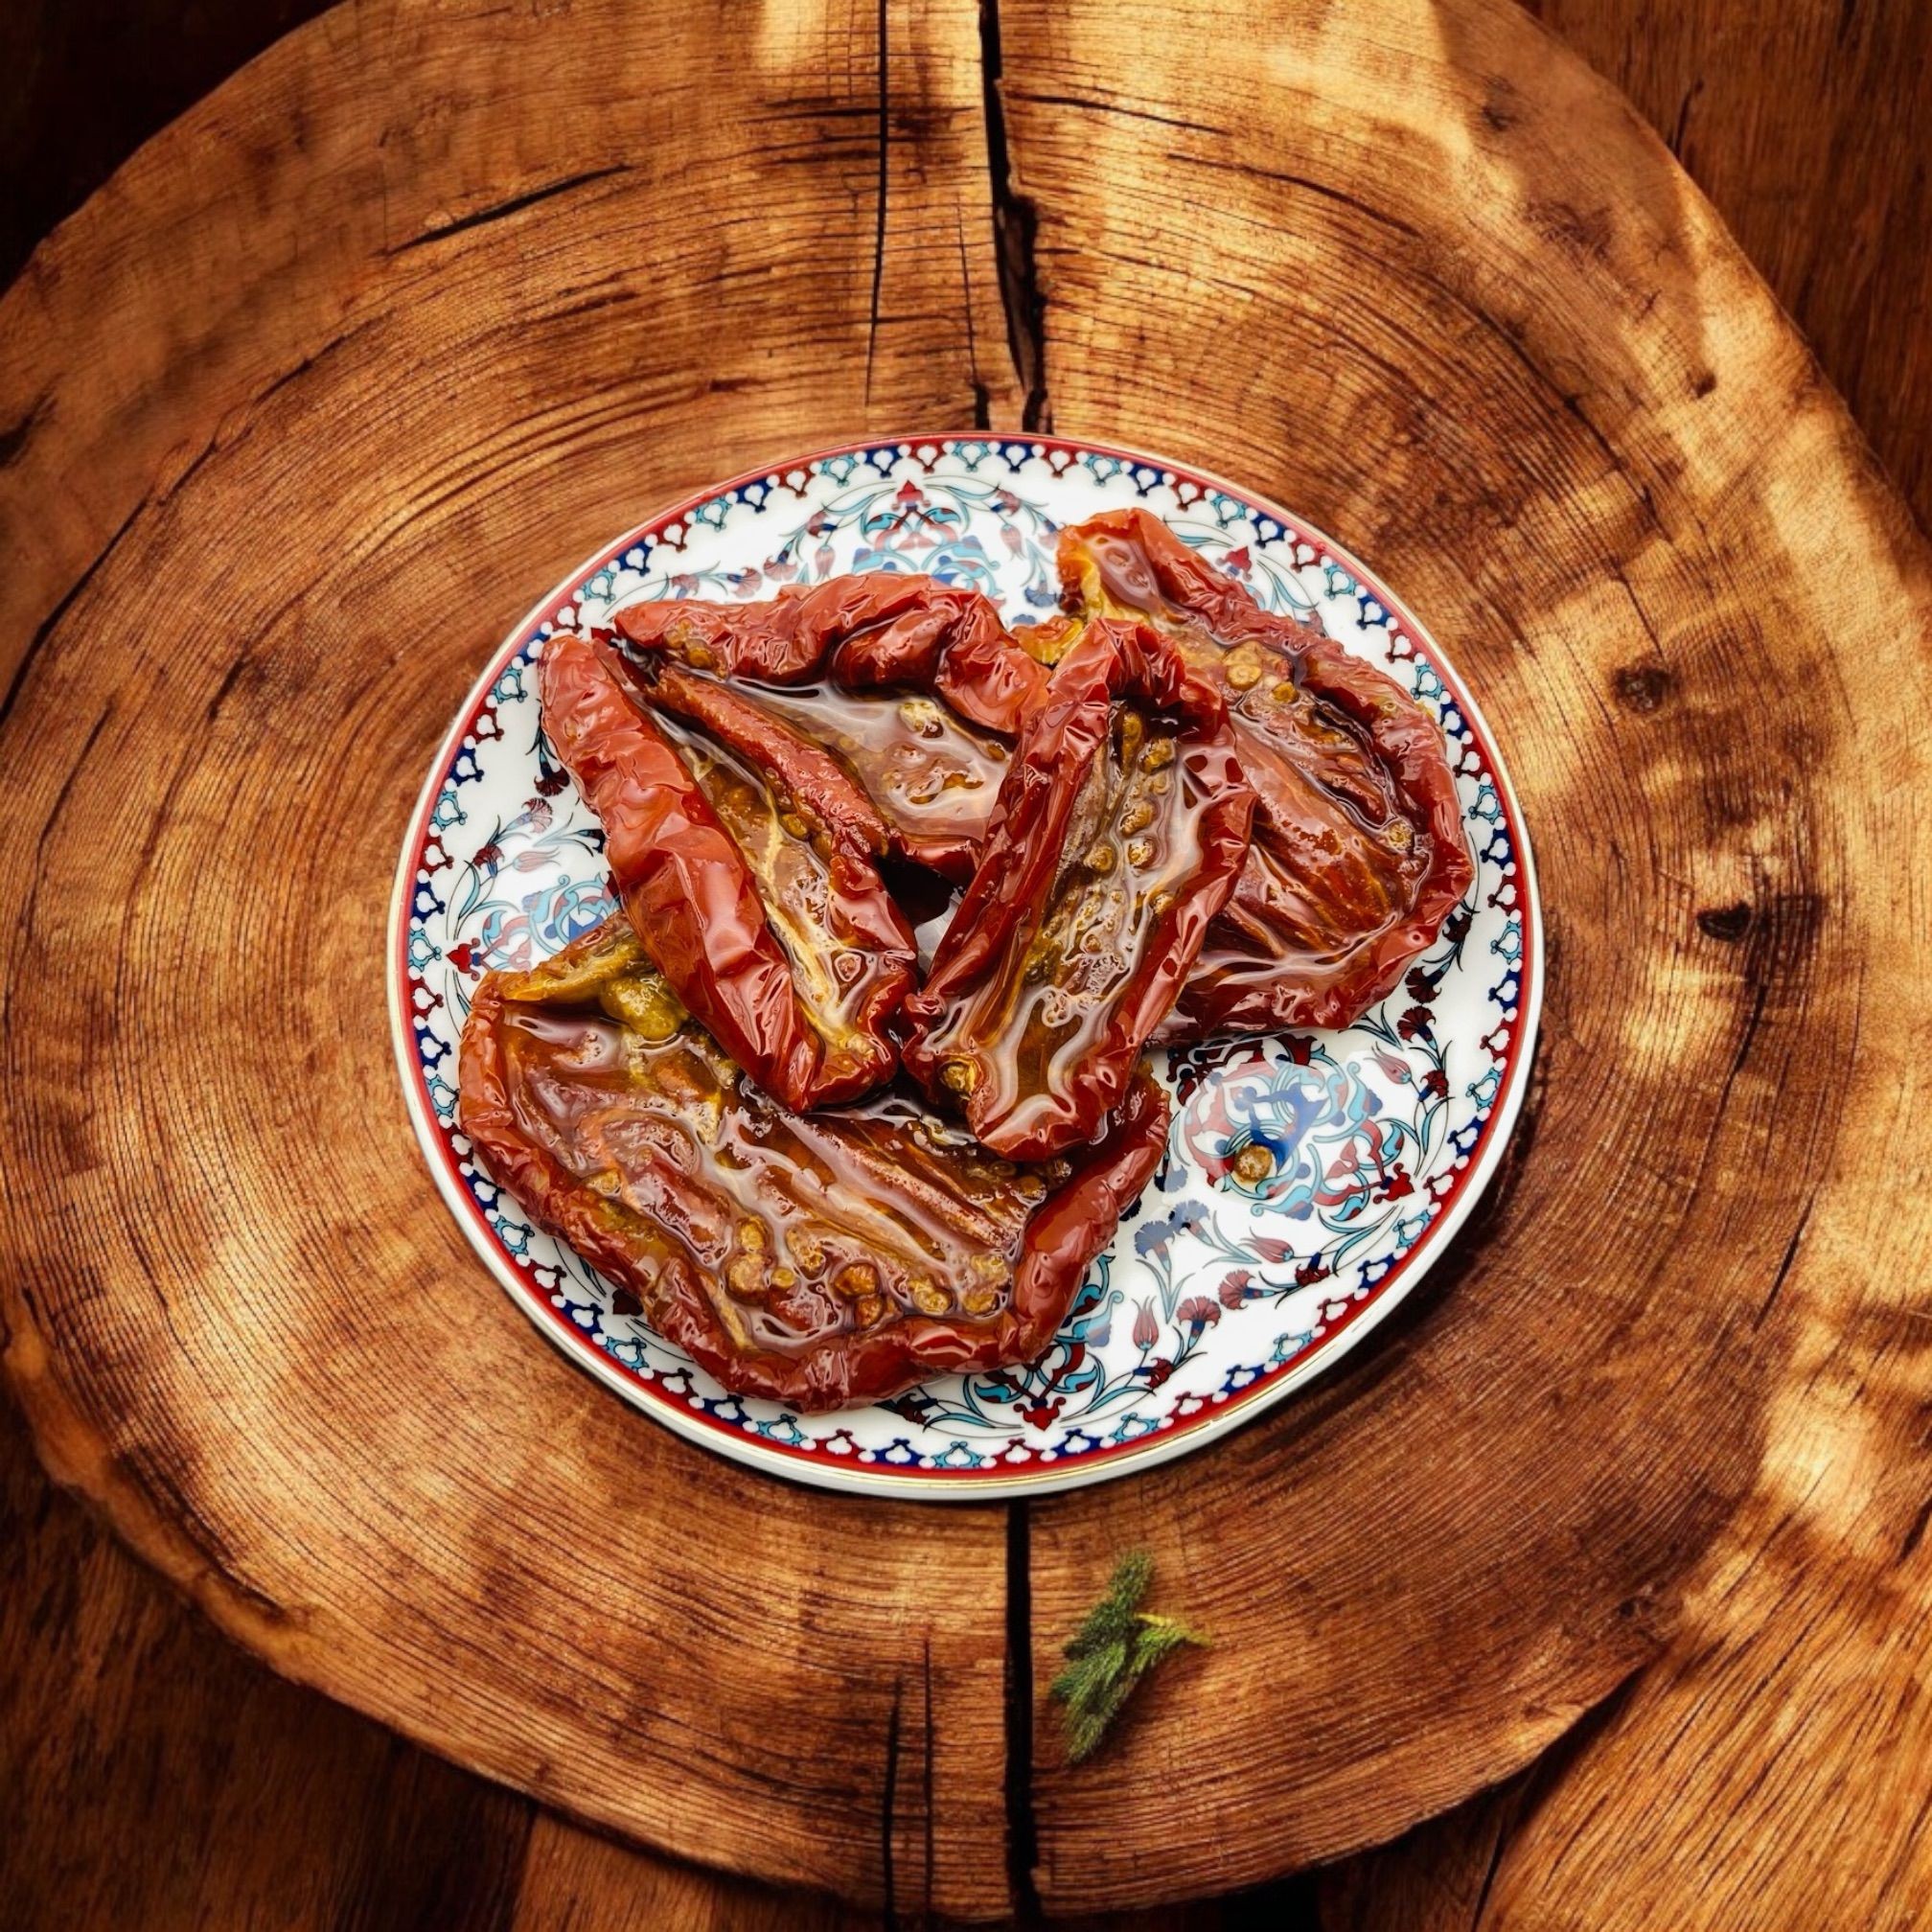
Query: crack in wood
[[1623, 583], [51, 621], [207, 449], [1016, 224], [1785, 1266], [1326, 191], [1753, 1020], [516, 205], [225, 689], [1726, 923], [1088, 104], [982, 396], [590, 305], [879, 219], [13, 439], [213, 1563], [1489, 1871], [1540, 1780], [296, 370], [1683, 124], [30, 912], [1916, 1535], [1015, 233], [66, 790]]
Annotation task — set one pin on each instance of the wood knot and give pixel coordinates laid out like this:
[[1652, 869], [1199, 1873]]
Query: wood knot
[[1642, 687], [1704, 383], [1728, 923], [14, 438]]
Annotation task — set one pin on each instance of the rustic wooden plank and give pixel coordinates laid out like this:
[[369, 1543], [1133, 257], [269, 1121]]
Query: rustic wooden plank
[[1430, 282], [1436, 1877], [156, 1777], [1805, 123], [574, 1883], [355, 358]]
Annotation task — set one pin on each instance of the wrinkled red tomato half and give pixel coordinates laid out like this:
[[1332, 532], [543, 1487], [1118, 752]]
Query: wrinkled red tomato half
[[1121, 828], [1358, 853], [914, 688], [749, 869], [814, 1259]]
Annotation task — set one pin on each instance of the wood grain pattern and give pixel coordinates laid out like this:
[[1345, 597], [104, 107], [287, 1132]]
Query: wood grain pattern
[[574, 1883], [1433, 285], [156, 1777], [1438, 1878], [1437, 286], [394, 304], [1770, 1767], [1805, 123]]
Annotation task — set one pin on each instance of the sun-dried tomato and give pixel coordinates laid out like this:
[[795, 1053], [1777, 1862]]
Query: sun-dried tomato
[[812, 1259], [913, 686], [1122, 825], [929, 781], [1358, 854], [747, 868], [871, 629]]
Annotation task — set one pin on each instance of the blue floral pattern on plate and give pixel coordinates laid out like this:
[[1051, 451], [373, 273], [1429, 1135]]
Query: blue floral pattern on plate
[[1309, 1179]]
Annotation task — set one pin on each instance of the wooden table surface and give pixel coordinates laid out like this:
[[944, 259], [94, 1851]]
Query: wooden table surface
[[158, 1776]]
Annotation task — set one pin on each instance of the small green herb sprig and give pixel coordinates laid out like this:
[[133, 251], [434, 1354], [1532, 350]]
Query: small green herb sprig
[[1115, 1646]]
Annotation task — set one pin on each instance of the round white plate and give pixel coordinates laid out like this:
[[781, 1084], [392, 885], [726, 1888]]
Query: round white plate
[[1311, 1179]]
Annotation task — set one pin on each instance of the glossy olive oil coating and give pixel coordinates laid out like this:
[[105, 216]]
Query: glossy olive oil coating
[[1122, 824], [1358, 853], [873, 629], [756, 888], [933, 778], [791, 856], [814, 1258], [1132, 843]]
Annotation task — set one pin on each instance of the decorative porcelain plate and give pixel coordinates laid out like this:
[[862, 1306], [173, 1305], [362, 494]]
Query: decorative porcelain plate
[[1311, 1179]]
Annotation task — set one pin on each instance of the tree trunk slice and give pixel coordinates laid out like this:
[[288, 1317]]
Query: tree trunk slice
[[416, 285], [317, 394], [157, 1777], [1434, 284]]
